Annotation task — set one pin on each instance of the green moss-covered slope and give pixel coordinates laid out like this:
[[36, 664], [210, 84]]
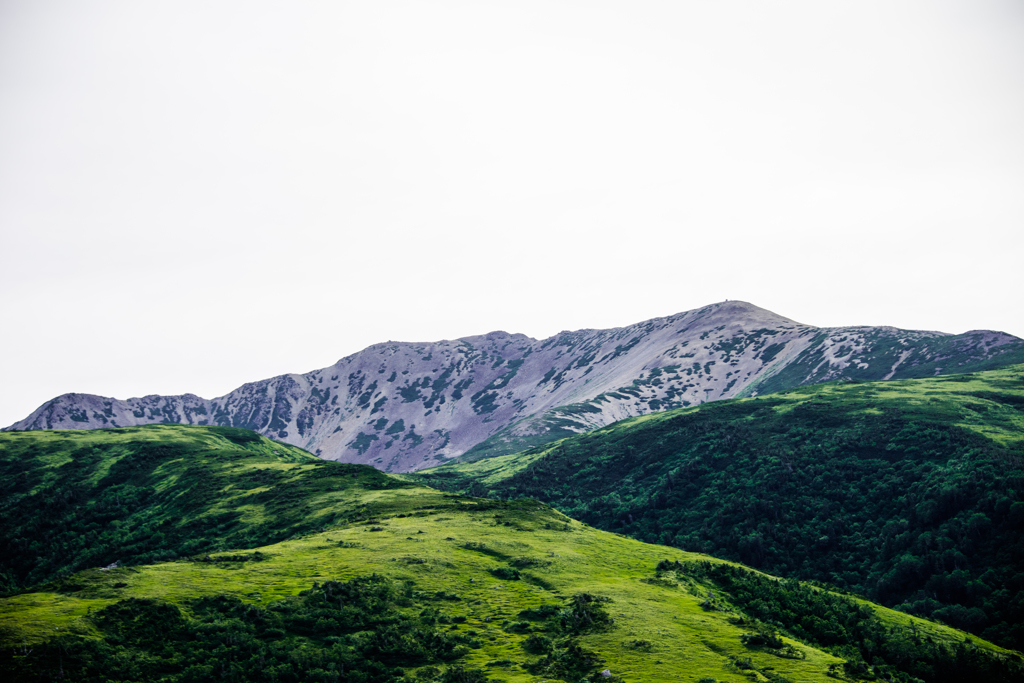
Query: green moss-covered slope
[[399, 582], [910, 492]]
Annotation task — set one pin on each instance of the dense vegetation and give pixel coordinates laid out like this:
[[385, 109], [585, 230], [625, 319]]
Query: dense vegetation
[[376, 579], [910, 492], [367, 630], [363, 630], [76, 499], [846, 626]]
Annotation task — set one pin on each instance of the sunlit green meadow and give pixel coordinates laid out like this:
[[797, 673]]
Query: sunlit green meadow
[[428, 547]]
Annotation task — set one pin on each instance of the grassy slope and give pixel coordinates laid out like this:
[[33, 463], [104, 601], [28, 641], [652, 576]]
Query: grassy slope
[[687, 641], [74, 499], [883, 471], [374, 523]]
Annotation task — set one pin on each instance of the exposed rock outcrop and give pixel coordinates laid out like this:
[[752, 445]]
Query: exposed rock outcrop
[[404, 406]]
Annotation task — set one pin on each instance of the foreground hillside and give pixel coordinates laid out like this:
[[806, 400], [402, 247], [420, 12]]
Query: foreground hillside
[[404, 406], [405, 583], [76, 499], [910, 492]]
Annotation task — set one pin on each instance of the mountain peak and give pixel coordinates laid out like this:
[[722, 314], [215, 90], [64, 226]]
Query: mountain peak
[[402, 406]]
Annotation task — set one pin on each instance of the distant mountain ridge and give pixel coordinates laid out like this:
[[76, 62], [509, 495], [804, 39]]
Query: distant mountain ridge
[[405, 406]]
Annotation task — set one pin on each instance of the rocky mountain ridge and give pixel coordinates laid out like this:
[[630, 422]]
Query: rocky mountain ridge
[[406, 406]]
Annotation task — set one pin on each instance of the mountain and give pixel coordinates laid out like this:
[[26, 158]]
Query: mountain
[[193, 569], [404, 406], [910, 492]]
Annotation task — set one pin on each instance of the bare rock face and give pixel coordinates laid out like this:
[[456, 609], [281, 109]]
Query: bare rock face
[[406, 406]]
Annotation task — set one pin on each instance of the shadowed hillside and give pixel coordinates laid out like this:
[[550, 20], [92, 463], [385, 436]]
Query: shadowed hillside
[[910, 492]]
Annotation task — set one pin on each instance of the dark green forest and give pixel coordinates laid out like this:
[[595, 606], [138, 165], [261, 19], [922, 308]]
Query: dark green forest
[[880, 489]]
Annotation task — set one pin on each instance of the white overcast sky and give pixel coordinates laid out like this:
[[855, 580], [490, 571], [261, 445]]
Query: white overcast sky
[[198, 194]]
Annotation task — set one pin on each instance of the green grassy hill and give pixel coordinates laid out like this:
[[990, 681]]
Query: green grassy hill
[[288, 568], [910, 492], [76, 499]]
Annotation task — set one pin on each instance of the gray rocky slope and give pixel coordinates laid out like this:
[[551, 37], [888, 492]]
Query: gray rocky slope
[[405, 406]]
